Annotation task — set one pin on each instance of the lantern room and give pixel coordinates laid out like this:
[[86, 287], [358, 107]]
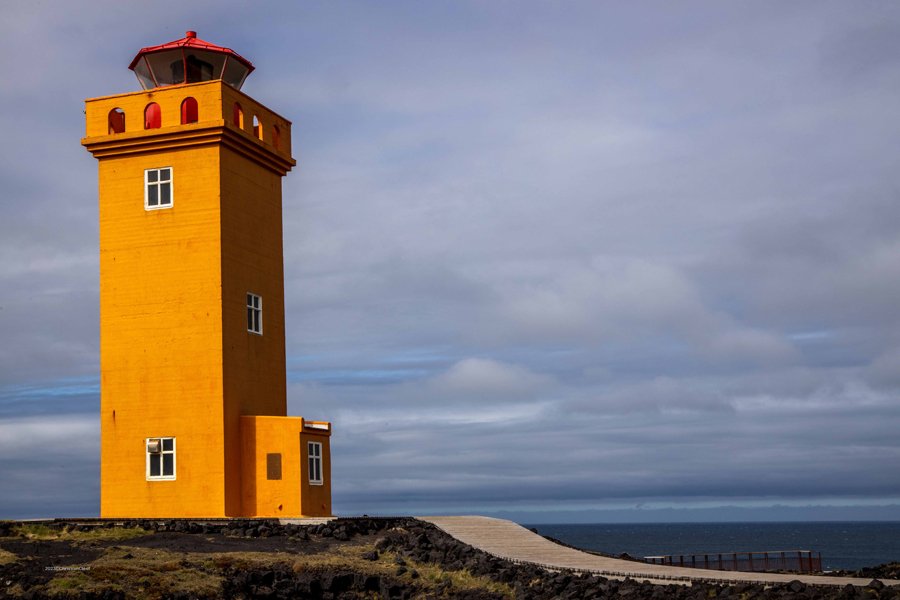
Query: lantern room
[[189, 60]]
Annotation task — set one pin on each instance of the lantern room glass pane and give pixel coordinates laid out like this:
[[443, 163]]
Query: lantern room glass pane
[[167, 66], [203, 65], [235, 73], [143, 74]]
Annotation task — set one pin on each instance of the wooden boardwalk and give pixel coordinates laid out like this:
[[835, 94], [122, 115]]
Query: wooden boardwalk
[[505, 539]]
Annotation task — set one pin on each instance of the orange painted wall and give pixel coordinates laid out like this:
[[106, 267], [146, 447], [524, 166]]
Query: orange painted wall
[[262, 435], [254, 365], [316, 499], [160, 334], [176, 357], [292, 495]]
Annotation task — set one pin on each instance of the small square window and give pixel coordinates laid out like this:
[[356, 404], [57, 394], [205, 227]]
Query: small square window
[[314, 455], [160, 458], [254, 314], [158, 188]]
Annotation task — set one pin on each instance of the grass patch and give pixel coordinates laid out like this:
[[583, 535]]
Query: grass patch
[[154, 573], [430, 574], [463, 580], [63, 584], [349, 557], [147, 573], [7, 557], [39, 531]]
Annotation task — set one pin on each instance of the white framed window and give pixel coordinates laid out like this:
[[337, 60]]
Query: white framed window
[[314, 454], [254, 314], [158, 188], [160, 458]]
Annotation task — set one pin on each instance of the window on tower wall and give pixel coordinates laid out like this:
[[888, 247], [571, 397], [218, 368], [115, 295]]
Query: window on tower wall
[[160, 458], [276, 136], [152, 116], [189, 111], [254, 313], [238, 116], [314, 454], [116, 120], [158, 188]]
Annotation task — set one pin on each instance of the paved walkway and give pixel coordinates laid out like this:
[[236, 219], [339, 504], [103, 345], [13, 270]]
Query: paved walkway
[[505, 539]]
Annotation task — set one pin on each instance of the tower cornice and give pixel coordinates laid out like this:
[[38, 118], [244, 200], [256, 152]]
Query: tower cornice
[[205, 134]]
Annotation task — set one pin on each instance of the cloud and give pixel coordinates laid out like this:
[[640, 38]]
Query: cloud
[[885, 369], [572, 256], [489, 377], [50, 467]]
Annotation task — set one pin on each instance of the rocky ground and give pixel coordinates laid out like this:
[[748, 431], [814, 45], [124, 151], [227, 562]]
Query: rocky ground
[[344, 559]]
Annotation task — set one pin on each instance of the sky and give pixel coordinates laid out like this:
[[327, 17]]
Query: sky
[[556, 261]]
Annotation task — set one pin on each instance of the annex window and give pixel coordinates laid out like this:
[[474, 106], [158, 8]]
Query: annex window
[[314, 453], [254, 314], [161, 458], [158, 188]]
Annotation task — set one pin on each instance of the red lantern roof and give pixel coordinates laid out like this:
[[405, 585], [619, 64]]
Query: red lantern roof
[[189, 60]]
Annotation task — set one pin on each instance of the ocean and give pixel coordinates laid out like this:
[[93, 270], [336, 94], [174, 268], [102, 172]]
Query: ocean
[[844, 545]]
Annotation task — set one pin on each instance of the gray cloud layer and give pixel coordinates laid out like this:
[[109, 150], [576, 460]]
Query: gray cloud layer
[[538, 256]]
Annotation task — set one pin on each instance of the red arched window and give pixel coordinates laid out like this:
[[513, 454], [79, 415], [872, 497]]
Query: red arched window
[[257, 128], [189, 111], [116, 121], [152, 116], [238, 116], [276, 136]]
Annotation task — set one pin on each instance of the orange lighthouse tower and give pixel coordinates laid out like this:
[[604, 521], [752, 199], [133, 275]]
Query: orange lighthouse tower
[[192, 353]]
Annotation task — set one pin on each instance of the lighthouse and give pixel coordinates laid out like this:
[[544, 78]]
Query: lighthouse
[[193, 400]]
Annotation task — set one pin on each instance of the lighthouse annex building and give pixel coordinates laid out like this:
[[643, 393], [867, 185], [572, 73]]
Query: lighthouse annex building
[[192, 343]]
